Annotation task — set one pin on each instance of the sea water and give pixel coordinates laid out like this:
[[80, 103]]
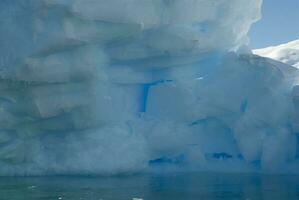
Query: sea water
[[171, 186]]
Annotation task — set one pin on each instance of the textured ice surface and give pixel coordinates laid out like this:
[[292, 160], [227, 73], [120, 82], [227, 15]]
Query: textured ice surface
[[118, 86]]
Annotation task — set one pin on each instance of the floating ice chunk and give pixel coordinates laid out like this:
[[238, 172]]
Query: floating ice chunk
[[137, 198]]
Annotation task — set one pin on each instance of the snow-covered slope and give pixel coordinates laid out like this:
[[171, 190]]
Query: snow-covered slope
[[287, 53]]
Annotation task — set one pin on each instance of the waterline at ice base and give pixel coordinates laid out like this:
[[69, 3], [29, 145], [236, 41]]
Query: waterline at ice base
[[109, 87]]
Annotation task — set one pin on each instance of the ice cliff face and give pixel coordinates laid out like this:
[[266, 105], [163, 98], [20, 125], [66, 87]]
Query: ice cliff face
[[117, 86], [287, 53]]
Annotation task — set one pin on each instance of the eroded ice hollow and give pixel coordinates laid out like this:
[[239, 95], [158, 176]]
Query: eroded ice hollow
[[118, 86]]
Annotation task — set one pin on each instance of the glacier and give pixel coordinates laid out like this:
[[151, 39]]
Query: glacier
[[124, 86]]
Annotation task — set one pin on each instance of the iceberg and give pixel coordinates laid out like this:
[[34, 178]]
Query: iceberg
[[123, 86]]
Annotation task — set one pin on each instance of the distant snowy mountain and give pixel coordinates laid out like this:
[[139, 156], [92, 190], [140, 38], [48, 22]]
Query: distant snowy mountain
[[287, 53]]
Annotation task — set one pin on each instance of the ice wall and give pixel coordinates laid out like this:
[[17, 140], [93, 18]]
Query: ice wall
[[118, 86]]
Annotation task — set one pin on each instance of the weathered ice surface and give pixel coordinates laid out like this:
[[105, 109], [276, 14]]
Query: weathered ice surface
[[119, 86]]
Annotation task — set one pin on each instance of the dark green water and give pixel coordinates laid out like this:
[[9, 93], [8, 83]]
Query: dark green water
[[193, 186]]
